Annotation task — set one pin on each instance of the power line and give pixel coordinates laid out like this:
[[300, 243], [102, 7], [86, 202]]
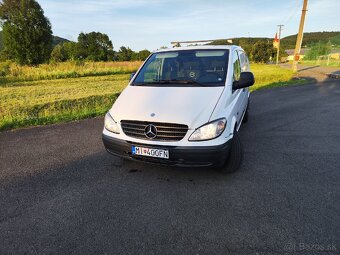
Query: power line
[[294, 13]]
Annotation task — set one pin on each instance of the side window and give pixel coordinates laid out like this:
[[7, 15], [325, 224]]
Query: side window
[[244, 61], [247, 62], [152, 71], [237, 66]]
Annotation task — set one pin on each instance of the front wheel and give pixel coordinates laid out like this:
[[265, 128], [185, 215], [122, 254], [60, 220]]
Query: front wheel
[[234, 160]]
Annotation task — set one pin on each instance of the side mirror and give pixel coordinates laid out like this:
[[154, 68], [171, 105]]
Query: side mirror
[[247, 79], [131, 76]]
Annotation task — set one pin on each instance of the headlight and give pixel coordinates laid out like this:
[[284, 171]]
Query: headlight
[[110, 124], [209, 131]]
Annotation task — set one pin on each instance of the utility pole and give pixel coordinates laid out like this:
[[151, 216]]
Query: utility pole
[[300, 36], [278, 46]]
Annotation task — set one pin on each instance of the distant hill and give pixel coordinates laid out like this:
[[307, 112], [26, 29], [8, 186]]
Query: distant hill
[[241, 40], [287, 42], [56, 40], [309, 38]]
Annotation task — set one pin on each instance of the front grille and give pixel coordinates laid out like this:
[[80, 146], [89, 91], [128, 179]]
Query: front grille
[[165, 131]]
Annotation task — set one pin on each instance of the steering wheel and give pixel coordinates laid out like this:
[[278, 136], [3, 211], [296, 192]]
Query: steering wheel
[[193, 74]]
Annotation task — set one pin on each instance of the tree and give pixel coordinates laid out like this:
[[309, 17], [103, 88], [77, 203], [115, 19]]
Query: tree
[[71, 50], [94, 46], [125, 54], [58, 54], [318, 49], [141, 55], [27, 32], [262, 52], [246, 46]]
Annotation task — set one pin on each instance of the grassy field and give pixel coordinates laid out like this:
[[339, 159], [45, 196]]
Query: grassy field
[[268, 76], [42, 95], [11, 72]]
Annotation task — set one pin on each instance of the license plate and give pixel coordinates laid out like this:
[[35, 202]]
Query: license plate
[[149, 152]]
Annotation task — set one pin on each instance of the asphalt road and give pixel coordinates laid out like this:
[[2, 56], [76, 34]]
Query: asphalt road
[[61, 193]]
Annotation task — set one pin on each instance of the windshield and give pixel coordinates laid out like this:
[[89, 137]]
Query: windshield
[[184, 68]]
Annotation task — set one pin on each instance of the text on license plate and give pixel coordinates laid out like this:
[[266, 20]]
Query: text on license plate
[[149, 152]]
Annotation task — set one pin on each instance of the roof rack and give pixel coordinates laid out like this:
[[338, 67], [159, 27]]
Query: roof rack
[[178, 44]]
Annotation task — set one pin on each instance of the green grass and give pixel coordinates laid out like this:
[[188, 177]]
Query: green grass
[[11, 72], [45, 101], [268, 76]]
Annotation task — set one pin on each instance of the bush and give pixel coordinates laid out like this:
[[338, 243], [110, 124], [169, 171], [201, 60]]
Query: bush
[[262, 52], [58, 54], [317, 50], [5, 68]]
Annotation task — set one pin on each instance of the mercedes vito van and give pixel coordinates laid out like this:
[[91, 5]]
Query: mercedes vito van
[[183, 107]]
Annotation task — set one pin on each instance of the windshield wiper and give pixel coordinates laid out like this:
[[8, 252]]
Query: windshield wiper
[[194, 82], [181, 82], [173, 81], [155, 82], [145, 83]]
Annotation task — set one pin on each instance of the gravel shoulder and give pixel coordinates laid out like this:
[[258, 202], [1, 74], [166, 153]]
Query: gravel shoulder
[[314, 73]]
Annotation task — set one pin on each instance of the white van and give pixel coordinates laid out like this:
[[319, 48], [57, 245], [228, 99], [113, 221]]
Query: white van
[[183, 107]]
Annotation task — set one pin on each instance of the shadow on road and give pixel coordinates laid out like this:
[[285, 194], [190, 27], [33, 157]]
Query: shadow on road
[[18, 193], [315, 73], [307, 68]]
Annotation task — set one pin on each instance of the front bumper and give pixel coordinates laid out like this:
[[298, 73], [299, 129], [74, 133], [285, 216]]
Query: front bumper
[[178, 155]]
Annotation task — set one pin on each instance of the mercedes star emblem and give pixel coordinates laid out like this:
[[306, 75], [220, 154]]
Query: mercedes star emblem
[[150, 131]]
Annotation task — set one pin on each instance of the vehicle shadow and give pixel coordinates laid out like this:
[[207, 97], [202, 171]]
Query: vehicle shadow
[[19, 193]]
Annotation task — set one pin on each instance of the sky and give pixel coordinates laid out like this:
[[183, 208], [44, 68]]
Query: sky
[[150, 24]]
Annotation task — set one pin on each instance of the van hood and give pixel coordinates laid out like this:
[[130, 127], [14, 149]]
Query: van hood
[[191, 106]]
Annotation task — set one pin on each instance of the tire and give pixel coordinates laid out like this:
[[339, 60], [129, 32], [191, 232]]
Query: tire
[[235, 157]]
